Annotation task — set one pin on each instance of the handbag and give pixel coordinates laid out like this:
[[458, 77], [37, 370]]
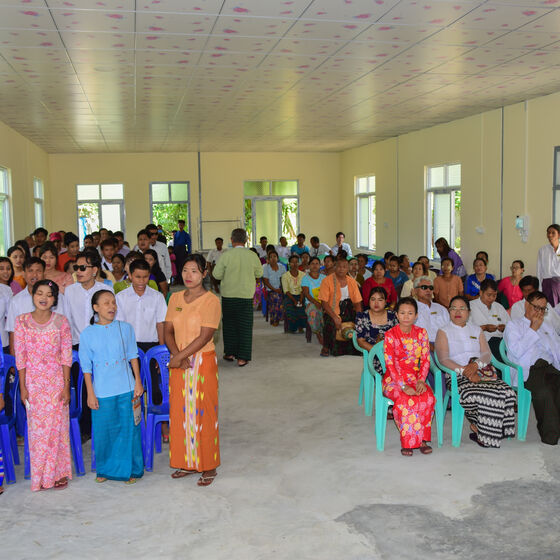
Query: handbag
[[136, 402], [347, 327]]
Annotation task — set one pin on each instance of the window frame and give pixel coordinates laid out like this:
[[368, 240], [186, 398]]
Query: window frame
[[254, 242], [39, 201], [187, 202], [370, 195], [6, 205], [445, 189], [555, 184], [99, 201]]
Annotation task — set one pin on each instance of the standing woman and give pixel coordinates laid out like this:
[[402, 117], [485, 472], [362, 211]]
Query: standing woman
[[192, 318], [158, 276], [7, 275], [310, 286], [272, 279], [407, 360], [17, 256], [294, 313], [509, 286], [119, 273], [548, 265], [43, 350], [108, 350], [445, 251], [49, 256]]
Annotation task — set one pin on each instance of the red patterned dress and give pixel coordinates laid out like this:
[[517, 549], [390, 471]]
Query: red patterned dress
[[407, 359]]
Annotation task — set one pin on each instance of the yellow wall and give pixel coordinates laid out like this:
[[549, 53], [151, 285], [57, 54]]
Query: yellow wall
[[531, 131], [25, 161], [222, 177]]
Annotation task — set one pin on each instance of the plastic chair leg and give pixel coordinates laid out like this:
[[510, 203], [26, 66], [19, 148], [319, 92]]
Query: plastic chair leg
[[523, 409], [368, 394], [76, 445], [14, 445], [361, 393], [26, 455], [143, 432], [158, 437], [6, 444], [381, 425], [149, 464], [457, 417]]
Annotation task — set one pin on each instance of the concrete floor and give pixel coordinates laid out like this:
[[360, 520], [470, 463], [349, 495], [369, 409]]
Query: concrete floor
[[301, 479]]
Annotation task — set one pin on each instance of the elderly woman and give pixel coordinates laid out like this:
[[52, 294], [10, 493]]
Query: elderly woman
[[472, 285], [294, 312], [488, 402], [341, 299], [419, 269], [310, 286], [407, 359], [548, 265], [378, 279]]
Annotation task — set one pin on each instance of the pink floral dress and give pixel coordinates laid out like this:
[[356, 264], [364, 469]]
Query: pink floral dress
[[42, 350]]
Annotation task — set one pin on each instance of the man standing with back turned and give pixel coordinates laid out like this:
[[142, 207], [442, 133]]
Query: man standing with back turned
[[238, 270]]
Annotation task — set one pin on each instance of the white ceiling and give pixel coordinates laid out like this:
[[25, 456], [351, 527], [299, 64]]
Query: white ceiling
[[264, 75]]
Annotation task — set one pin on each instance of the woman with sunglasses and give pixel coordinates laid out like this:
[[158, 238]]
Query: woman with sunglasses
[[488, 401]]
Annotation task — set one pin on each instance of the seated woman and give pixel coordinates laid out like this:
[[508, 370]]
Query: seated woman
[[472, 285], [272, 279], [407, 359], [378, 279], [374, 322], [353, 268], [341, 299], [310, 286], [509, 286], [395, 274], [294, 313], [328, 265], [447, 285], [304, 266], [404, 265], [488, 401], [418, 270], [363, 272]]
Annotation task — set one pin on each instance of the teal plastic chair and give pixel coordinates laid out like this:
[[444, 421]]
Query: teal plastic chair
[[440, 407], [523, 395], [366, 382], [382, 403], [457, 411]]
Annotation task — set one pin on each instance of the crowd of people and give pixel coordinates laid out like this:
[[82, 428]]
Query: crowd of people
[[106, 301]]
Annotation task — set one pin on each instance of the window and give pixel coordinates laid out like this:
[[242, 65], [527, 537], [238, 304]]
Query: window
[[39, 197], [556, 187], [365, 212], [443, 187], [5, 217], [170, 203], [100, 206], [271, 210]]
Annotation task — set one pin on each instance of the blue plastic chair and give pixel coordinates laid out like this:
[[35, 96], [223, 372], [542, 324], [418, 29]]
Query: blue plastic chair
[[457, 411], [156, 414], [8, 439], [382, 403], [366, 381], [523, 395]]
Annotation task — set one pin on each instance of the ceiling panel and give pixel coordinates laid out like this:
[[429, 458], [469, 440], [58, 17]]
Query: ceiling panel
[[150, 75]]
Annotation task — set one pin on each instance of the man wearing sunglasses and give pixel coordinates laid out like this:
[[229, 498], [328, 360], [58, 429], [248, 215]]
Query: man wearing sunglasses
[[431, 315], [535, 346]]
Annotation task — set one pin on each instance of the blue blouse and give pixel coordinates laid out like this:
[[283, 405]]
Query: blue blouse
[[399, 280], [105, 351], [274, 276], [472, 285]]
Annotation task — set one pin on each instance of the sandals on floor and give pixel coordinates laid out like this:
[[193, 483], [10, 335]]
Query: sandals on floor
[[206, 480], [131, 481], [229, 358], [324, 353], [61, 484], [181, 473], [425, 449], [406, 452], [242, 363], [100, 479], [474, 437]]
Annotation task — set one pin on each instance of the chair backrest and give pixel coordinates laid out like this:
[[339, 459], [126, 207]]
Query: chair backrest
[[356, 345], [376, 352], [161, 355], [76, 389], [9, 384], [519, 370], [142, 359]]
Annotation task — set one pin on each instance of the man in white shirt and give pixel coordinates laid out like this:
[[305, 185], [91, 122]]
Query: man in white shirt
[[318, 248], [528, 285], [261, 249], [78, 295], [535, 346], [341, 246], [211, 260], [489, 315], [33, 271], [431, 315], [282, 249]]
